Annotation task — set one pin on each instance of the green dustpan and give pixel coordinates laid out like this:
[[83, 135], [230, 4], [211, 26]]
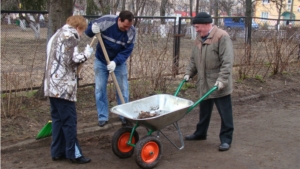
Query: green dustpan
[[46, 131]]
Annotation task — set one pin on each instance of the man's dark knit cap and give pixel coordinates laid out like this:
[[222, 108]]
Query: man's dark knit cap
[[202, 18]]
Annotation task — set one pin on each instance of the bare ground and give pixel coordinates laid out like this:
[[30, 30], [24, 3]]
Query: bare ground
[[266, 119]]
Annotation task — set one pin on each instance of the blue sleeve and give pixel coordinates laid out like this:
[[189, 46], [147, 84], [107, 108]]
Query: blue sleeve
[[89, 31], [124, 55], [103, 22]]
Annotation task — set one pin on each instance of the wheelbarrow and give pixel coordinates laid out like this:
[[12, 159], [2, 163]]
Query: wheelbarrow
[[168, 109]]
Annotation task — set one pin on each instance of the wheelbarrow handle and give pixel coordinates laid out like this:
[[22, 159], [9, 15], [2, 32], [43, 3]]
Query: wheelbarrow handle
[[202, 98], [179, 87]]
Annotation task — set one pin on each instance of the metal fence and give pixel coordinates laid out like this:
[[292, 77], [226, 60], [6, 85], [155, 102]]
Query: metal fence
[[160, 49]]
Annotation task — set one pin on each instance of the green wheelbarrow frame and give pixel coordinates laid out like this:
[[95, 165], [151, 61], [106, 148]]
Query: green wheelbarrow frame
[[150, 131]]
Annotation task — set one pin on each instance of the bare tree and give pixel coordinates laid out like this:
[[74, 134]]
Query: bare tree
[[107, 6], [81, 4], [216, 12], [114, 6], [9, 4], [33, 19], [104, 6], [137, 6], [163, 6], [279, 5], [197, 6], [151, 7], [191, 7], [204, 6], [92, 8], [227, 5], [123, 5]]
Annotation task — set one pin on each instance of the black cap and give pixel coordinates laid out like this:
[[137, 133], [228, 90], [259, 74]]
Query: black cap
[[201, 18]]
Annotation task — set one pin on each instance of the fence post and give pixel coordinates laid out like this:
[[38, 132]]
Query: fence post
[[176, 49]]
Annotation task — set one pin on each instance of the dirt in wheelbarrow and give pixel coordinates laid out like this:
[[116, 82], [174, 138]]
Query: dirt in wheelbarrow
[[267, 134]]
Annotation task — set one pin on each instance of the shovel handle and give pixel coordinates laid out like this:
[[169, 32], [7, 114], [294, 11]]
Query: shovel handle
[[81, 64], [98, 35]]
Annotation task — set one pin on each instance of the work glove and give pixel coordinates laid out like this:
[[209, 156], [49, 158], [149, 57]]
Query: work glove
[[95, 28], [186, 78], [75, 51], [83, 56], [220, 85], [88, 51], [111, 66]]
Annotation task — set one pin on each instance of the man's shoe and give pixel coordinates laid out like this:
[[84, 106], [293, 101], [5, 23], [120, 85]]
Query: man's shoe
[[80, 160], [102, 123], [194, 137], [224, 147], [59, 158]]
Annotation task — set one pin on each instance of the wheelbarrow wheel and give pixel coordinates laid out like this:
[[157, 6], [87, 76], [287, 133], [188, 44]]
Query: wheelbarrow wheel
[[119, 142], [148, 152]]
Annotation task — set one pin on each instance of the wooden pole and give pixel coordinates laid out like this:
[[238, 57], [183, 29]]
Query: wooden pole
[[98, 35]]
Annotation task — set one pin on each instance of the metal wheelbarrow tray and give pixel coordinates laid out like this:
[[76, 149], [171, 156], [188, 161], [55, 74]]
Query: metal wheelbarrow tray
[[169, 110]]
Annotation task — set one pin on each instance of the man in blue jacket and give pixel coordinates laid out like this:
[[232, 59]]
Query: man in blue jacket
[[118, 34]]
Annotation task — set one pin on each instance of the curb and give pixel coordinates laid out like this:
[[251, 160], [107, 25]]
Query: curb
[[246, 98], [81, 131]]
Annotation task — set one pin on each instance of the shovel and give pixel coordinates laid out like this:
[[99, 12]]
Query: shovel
[[112, 73], [46, 131], [81, 64]]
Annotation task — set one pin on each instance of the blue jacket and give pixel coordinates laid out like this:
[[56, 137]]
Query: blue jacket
[[118, 44]]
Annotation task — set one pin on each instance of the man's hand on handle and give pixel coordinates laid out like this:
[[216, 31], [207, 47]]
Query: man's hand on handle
[[220, 85], [111, 66], [95, 28], [186, 78]]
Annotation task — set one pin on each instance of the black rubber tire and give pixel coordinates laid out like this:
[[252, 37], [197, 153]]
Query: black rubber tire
[[141, 146], [120, 138]]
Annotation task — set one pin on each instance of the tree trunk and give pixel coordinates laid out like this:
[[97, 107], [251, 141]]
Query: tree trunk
[[191, 7], [249, 26], [163, 10], [216, 11], [123, 5], [115, 7], [59, 11], [197, 6]]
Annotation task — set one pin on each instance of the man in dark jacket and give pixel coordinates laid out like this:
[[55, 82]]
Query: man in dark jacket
[[212, 61], [118, 34]]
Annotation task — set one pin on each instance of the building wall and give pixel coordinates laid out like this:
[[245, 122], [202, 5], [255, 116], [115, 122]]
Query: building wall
[[268, 10]]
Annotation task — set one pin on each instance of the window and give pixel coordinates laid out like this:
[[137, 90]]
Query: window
[[266, 1], [288, 7], [289, 1], [298, 8], [264, 15]]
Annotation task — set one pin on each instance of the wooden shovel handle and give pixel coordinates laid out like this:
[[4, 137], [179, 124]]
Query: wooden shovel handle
[[81, 64], [98, 35]]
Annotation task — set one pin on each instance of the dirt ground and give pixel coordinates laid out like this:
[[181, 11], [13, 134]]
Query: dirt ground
[[266, 120]]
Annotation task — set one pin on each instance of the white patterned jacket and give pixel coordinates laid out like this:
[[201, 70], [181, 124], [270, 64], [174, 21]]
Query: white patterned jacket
[[61, 64]]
